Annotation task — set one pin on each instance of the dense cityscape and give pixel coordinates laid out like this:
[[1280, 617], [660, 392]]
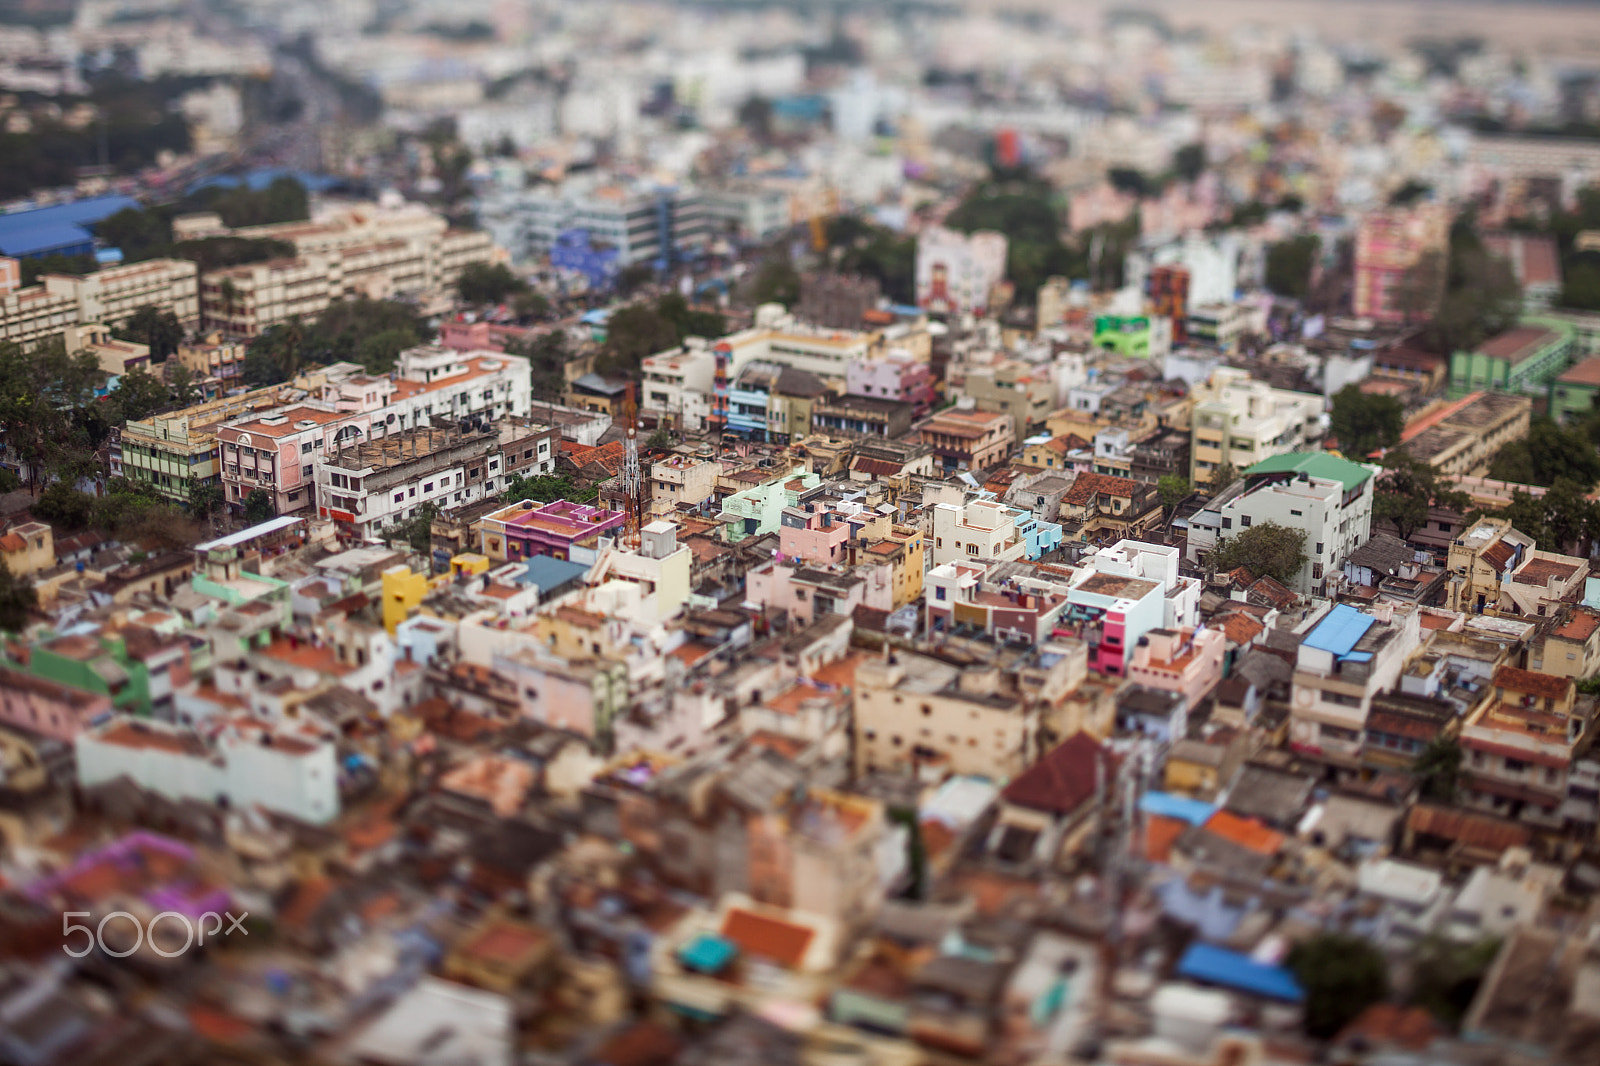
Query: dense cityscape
[[726, 533]]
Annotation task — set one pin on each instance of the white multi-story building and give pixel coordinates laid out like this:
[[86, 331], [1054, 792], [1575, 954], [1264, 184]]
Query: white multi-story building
[[777, 337], [371, 485], [276, 451], [956, 272], [677, 384], [981, 531], [1328, 498], [242, 760], [642, 223], [1238, 421]]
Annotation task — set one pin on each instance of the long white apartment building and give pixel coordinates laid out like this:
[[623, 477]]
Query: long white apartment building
[[1329, 498], [678, 383], [642, 222], [370, 485], [108, 296], [1238, 421], [276, 451]]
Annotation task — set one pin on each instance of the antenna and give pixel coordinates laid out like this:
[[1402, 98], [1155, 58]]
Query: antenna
[[632, 479]]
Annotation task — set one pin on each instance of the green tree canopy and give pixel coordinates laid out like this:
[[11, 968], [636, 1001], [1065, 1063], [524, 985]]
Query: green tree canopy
[[49, 413], [258, 507], [1290, 265], [1365, 422], [1189, 162], [17, 600], [1173, 490], [1408, 488], [1437, 769], [1342, 976], [1548, 452], [140, 394], [775, 281], [641, 329], [1266, 550], [488, 283]]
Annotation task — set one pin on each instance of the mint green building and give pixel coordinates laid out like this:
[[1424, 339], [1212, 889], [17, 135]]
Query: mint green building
[[1140, 336], [1524, 359], [759, 510]]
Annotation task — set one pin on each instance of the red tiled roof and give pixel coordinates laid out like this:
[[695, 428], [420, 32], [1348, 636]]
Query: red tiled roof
[[1540, 571], [1585, 373], [1472, 830], [1385, 1025], [1580, 626], [1064, 778], [768, 938], [1543, 685], [1086, 486]]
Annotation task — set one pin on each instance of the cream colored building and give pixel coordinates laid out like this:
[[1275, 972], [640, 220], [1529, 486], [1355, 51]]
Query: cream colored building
[[107, 296], [982, 531], [927, 716], [1238, 421]]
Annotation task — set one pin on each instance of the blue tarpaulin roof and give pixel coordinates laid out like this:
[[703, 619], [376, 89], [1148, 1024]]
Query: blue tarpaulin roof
[[708, 953], [1229, 969], [1188, 810], [78, 213], [548, 573], [1340, 631]]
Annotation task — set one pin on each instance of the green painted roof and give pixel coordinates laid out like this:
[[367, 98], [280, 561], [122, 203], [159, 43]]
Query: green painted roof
[[1317, 464]]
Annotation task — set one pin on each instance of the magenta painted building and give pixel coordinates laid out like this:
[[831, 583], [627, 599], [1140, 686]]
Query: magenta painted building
[[556, 529]]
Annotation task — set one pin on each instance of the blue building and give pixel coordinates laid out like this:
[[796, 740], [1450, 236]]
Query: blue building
[[574, 251], [748, 399], [64, 229], [1040, 536]]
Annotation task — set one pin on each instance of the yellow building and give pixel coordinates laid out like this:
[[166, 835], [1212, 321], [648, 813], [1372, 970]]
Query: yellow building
[[403, 592], [903, 547], [28, 549]]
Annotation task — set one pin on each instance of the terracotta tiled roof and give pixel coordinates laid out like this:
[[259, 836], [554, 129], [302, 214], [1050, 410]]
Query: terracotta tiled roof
[[1384, 1025], [1064, 778], [1089, 485], [1542, 685], [1245, 832], [1274, 593], [1580, 626], [768, 938], [1497, 554], [1472, 830]]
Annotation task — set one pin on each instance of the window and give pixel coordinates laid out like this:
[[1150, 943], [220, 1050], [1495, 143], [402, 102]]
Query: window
[[938, 542], [1227, 523], [972, 549], [1319, 547], [305, 471], [938, 594], [1297, 514], [1244, 521], [1515, 766], [427, 486], [399, 497], [293, 496]]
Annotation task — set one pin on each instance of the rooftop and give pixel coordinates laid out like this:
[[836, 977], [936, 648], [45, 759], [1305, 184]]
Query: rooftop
[[1517, 345]]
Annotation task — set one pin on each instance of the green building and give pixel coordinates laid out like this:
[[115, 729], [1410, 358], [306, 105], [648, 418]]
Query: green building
[[1525, 359], [1133, 335], [94, 664], [1572, 395]]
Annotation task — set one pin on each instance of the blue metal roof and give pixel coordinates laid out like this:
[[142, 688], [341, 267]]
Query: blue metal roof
[[78, 213], [41, 239], [1183, 808], [708, 953], [1339, 632], [548, 573], [1229, 969]]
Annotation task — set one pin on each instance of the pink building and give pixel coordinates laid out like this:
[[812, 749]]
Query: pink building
[[275, 452], [896, 375], [807, 594], [1186, 662], [47, 708], [1388, 244], [480, 336], [1099, 205], [816, 538]]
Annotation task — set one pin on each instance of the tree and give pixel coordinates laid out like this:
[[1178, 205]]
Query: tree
[[1342, 976], [1437, 768], [1223, 476], [1548, 452], [140, 394], [1445, 975], [488, 283], [158, 330], [775, 282], [418, 531], [1130, 181], [1407, 489], [1422, 287], [64, 507], [1409, 193], [661, 440], [1266, 550], [1173, 490], [184, 391], [1290, 265], [530, 305], [1364, 422], [205, 498], [17, 600], [49, 410], [1189, 162], [258, 507], [546, 488]]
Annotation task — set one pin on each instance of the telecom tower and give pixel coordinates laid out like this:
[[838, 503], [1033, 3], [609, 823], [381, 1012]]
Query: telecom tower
[[632, 478]]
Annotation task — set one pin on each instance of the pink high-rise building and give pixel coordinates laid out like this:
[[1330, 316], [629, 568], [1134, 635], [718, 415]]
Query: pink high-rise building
[[1388, 244]]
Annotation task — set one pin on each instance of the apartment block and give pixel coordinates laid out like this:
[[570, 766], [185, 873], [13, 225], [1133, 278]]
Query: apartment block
[[1526, 359], [1342, 663], [1126, 591], [367, 486], [1329, 498], [968, 439], [108, 296], [1388, 244], [1460, 439], [1518, 747], [645, 223], [1238, 421], [1025, 392], [957, 272]]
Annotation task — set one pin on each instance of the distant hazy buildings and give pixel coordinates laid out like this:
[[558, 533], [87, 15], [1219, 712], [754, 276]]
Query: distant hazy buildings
[[1388, 245], [956, 272]]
